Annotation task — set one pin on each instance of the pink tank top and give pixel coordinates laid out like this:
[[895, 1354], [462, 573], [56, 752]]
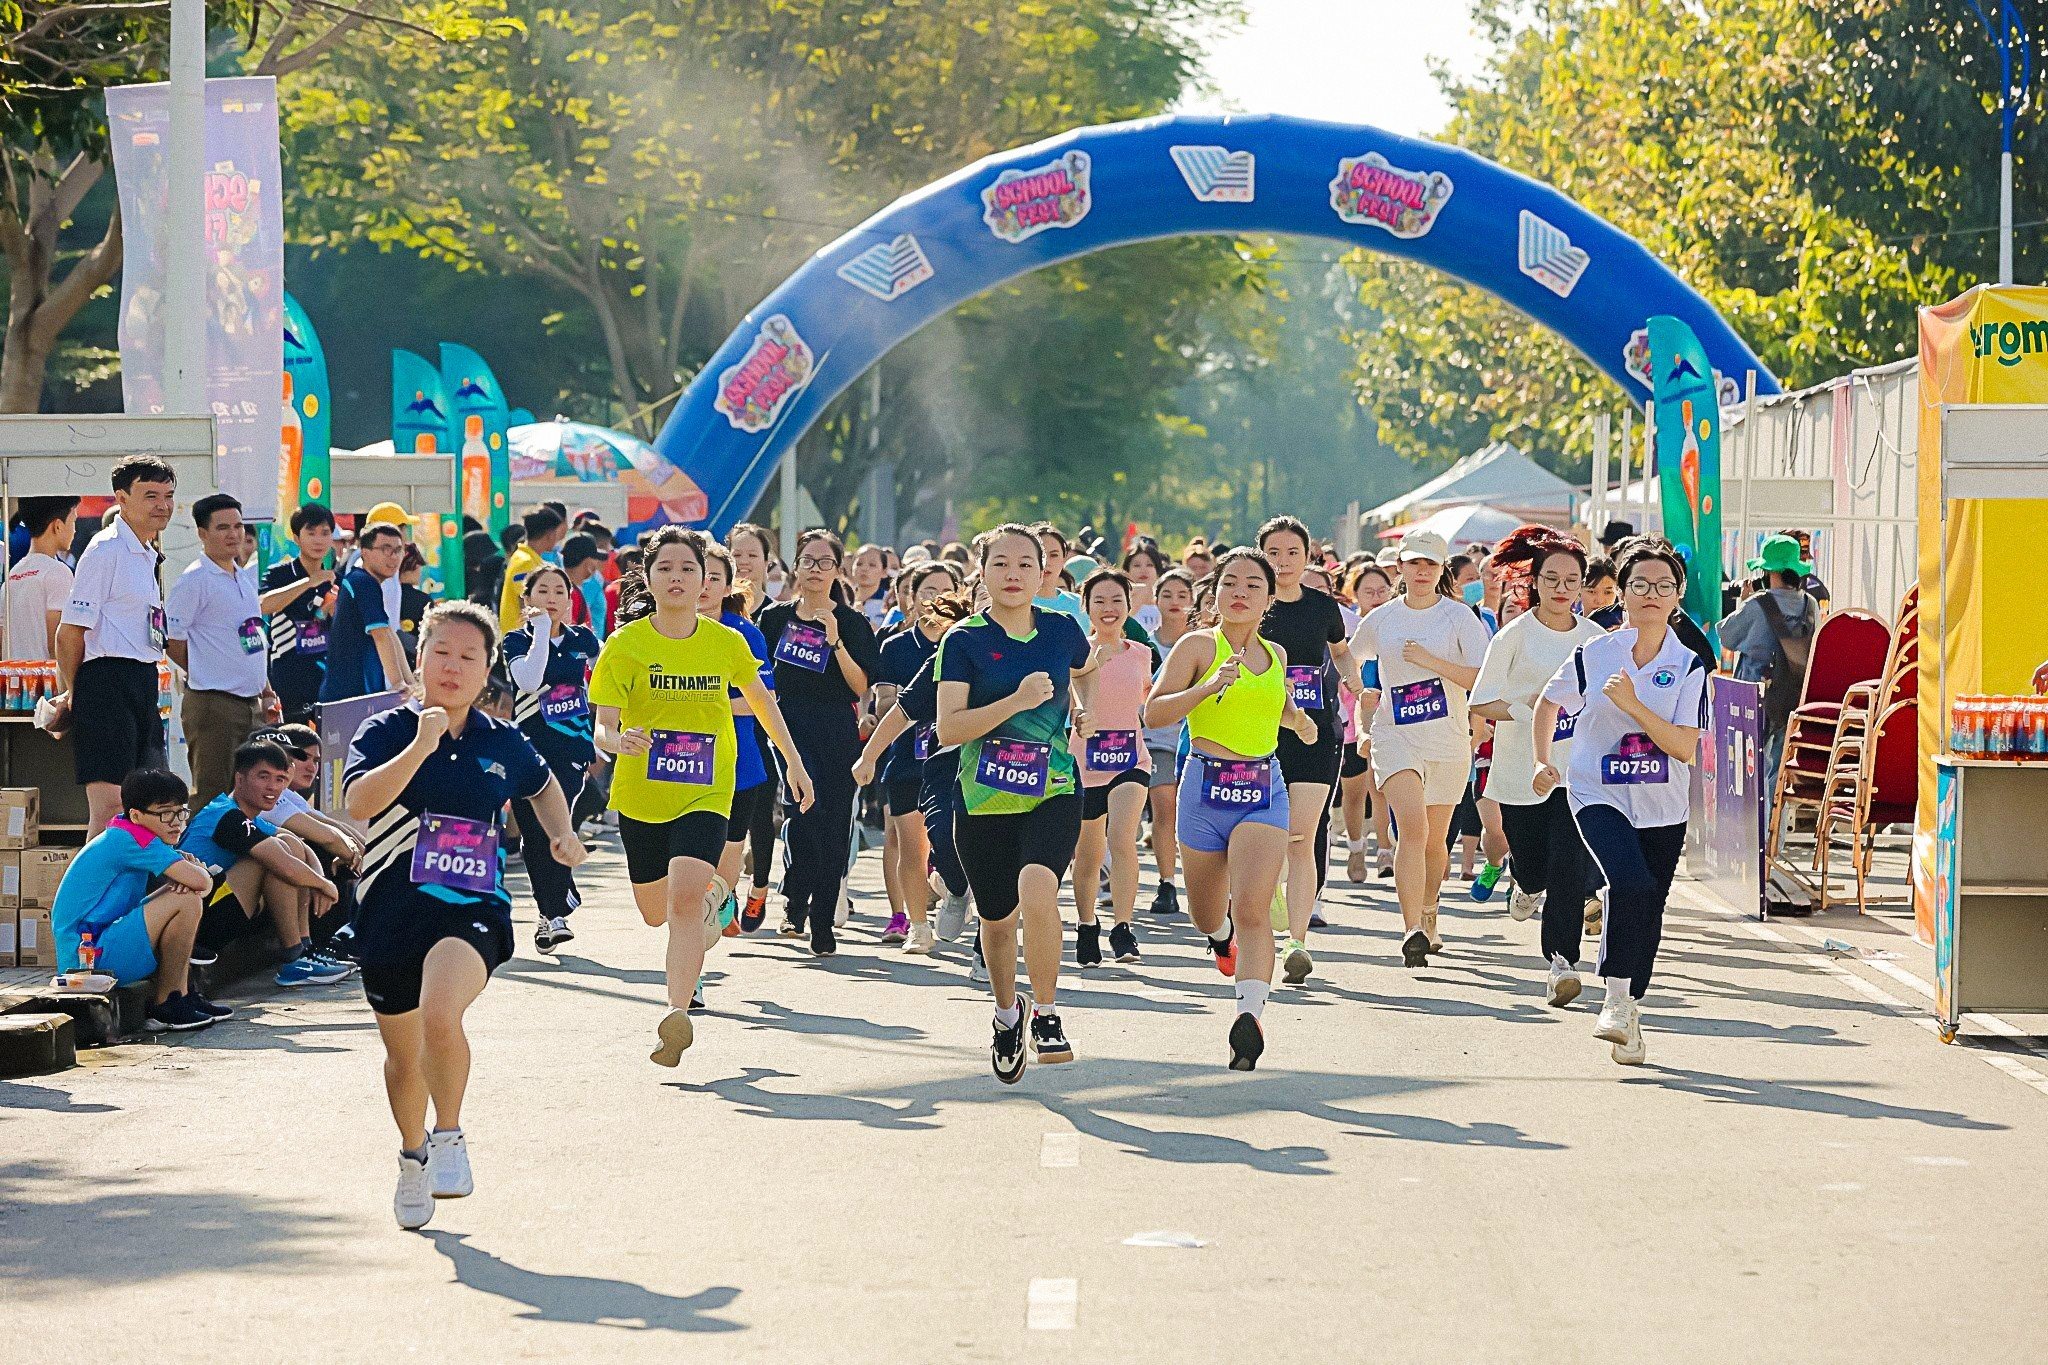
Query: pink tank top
[[1119, 694]]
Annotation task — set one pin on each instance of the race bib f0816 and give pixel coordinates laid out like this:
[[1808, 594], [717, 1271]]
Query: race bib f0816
[[456, 853], [1420, 701]]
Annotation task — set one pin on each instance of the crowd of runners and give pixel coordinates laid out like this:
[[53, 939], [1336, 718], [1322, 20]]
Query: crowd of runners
[[1017, 718]]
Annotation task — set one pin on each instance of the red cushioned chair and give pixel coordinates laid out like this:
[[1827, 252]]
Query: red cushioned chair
[[1849, 648], [1878, 791]]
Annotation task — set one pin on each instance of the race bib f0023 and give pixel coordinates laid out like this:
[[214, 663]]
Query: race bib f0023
[[456, 853]]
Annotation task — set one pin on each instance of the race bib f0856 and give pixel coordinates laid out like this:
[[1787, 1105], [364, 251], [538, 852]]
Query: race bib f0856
[[456, 853], [1305, 685]]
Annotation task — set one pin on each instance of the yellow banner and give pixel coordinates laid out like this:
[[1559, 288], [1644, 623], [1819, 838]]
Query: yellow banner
[[1989, 346]]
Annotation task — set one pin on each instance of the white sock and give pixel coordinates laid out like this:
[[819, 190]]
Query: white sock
[[1617, 987], [1355, 845], [1038, 1009], [1251, 997], [1008, 1018]]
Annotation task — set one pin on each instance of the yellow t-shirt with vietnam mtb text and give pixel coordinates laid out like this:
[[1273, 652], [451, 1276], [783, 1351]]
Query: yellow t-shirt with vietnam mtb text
[[677, 690]]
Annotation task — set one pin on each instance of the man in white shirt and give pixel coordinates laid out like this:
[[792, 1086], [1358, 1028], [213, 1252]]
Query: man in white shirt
[[39, 584], [111, 639], [216, 637]]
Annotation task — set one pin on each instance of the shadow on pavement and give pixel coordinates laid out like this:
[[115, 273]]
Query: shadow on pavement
[[1785, 1095], [775, 1015], [584, 1299], [68, 1230], [15, 1095], [1112, 1105]]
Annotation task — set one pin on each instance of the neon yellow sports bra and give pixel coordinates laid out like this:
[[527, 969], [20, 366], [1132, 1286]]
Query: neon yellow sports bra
[[1245, 717]]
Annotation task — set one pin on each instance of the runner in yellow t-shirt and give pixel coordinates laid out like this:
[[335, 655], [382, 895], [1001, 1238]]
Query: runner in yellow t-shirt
[[660, 690]]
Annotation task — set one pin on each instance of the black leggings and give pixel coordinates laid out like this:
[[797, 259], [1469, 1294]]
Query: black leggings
[[938, 797], [1551, 858], [996, 848], [829, 740], [1639, 865], [554, 886], [761, 831]]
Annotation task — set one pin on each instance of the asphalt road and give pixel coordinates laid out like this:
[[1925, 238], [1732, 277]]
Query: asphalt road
[[1427, 1166]]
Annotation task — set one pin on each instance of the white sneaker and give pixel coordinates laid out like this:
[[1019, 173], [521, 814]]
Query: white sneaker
[[1617, 1017], [412, 1205], [845, 912], [1436, 940], [1564, 981], [448, 1174], [1630, 1050], [1594, 910], [952, 914], [978, 973], [920, 941], [1522, 905]]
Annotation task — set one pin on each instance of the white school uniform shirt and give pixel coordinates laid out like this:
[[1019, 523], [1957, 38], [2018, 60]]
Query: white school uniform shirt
[[37, 585], [1609, 753], [116, 598], [1520, 662], [1449, 630], [217, 613]]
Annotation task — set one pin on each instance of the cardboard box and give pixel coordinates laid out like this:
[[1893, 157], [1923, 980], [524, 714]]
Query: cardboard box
[[8, 929], [21, 817], [34, 944], [10, 881], [41, 870]]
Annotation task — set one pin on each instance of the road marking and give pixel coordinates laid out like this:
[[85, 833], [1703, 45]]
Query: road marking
[[1938, 1160], [1060, 1149], [1051, 1305]]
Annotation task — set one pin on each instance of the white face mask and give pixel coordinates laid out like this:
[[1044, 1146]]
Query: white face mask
[[776, 583]]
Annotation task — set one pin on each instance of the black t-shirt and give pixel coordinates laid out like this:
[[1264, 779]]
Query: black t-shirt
[[298, 637], [794, 644], [1306, 628]]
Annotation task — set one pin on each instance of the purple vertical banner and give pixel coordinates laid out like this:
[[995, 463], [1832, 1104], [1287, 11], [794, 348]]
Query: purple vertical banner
[[1725, 843], [244, 193]]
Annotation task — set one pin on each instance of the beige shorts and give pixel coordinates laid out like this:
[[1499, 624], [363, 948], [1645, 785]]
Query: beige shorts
[[1443, 779]]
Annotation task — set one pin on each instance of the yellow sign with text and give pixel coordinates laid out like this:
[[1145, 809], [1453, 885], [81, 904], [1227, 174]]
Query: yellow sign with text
[[1989, 346]]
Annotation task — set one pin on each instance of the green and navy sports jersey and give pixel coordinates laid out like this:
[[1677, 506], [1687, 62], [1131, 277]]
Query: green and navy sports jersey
[[992, 662], [556, 715]]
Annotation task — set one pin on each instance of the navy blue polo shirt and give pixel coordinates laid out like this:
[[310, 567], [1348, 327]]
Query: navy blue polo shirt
[[468, 777], [557, 715], [354, 668], [903, 654]]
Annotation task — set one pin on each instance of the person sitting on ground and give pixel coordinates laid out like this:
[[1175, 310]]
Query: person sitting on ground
[[257, 866], [338, 846], [140, 934]]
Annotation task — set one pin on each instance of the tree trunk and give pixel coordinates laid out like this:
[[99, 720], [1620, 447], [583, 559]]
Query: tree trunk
[[39, 309]]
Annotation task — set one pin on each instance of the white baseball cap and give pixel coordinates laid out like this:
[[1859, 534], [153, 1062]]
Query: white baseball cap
[[1425, 545]]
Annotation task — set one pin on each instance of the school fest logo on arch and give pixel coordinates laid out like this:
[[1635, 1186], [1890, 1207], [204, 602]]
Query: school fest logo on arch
[[1023, 203], [2009, 342], [775, 369], [1371, 190]]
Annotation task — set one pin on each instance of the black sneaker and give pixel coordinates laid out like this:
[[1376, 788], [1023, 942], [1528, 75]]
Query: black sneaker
[[1123, 943], [203, 956], [697, 1001], [208, 1007], [1167, 901], [823, 942], [180, 1015], [1415, 950], [544, 936], [1006, 1051], [1247, 1042], [1048, 1039], [1088, 945]]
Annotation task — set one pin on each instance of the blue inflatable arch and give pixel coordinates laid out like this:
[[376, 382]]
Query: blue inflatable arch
[[1107, 186]]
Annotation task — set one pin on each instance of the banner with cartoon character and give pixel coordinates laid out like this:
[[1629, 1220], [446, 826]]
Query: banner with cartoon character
[[244, 229], [305, 478], [485, 480], [1689, 460]]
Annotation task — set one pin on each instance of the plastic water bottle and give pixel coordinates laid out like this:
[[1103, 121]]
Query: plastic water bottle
[[88, 952]]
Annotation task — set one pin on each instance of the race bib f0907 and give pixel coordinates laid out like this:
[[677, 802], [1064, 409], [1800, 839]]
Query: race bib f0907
[[682, 756], [456, 853], [1305, 685], [1420, 701], [1636, 760], [1113, 751], [803, 644], [1237, 783], [1017, 766]]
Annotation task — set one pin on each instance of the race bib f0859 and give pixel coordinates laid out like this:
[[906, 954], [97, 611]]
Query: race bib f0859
[[456, 853], [1420, 701], [1017, 766], [1237, 783]]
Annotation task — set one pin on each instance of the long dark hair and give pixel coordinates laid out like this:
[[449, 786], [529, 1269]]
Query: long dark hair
[[636, 599], [1521, 556], [735, 599]]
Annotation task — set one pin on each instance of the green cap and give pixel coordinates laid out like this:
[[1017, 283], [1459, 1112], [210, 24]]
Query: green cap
[[1780, 555]]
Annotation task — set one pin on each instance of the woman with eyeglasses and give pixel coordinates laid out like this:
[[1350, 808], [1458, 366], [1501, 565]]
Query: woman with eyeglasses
[[549, 660], [662, 692], [430, 780], [1549, 859], [1640, 695], [825, 657]]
